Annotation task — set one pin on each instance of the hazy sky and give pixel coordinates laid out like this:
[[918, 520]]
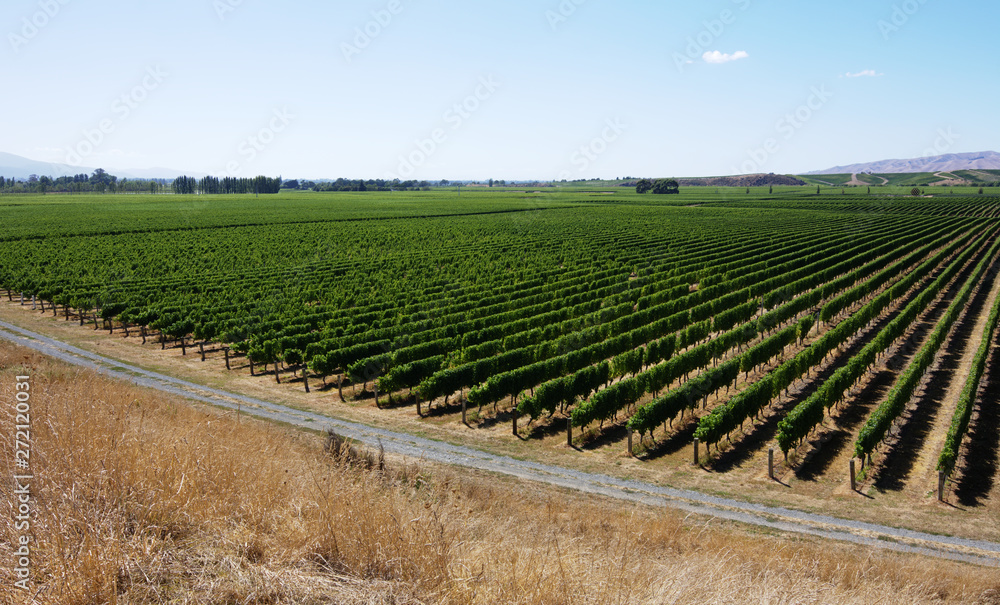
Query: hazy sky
[[512, 89]]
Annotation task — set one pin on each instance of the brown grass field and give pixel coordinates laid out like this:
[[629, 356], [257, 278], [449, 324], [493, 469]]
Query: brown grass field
[[144, 498]]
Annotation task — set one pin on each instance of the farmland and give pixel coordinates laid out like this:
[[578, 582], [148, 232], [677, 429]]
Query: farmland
[[178, 503], [604, 328]]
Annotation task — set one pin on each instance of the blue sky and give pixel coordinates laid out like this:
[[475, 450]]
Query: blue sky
[[513, 89]]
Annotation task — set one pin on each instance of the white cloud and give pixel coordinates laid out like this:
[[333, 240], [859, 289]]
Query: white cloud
[[868, 73], [717, 57]]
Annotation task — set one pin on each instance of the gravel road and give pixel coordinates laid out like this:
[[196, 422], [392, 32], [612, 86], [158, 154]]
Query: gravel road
[[781, 519]]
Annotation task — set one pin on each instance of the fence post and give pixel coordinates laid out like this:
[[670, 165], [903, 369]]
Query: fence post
[[697, 442], [854, 476], [630, 442], [569, 432], [770, 463], [941, 481]]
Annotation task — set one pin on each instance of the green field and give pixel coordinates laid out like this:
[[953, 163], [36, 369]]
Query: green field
[[587, 304], [826, 180], [900, 181], [979, 176]]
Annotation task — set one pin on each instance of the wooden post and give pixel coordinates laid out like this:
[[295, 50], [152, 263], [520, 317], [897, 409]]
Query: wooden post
[[277, 378], [420, 414], [464, 406], [513, 416], [34, 302], [854, 476], [163, 341], [184, 350], [82, 317], [251, 365], [226, 351], [142, 332], [696, 456], [630, 442], [201, 347], [569, 432], [22, 299], [305, 379], [941, 481], [770, 463]]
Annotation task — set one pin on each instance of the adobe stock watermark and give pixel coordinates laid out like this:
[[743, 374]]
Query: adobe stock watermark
[[900, 16], [786, 127], [224, 7], [454, 118], [562, 13], [22, 482], [33, 25], [712, 30], [586, 155], [364, 36], [255, 144], [121, 110], [944, 143]]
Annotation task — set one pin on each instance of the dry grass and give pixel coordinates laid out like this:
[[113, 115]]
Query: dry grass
[[144, 499]]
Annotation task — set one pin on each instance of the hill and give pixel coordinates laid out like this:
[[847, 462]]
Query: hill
[[983, 160], [19, 167], [745, 180]]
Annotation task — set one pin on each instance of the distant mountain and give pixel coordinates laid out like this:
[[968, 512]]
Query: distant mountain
[[21, 168], [983, 160]]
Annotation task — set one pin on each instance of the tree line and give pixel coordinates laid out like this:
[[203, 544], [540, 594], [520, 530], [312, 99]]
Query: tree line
[[342, 184], [103, 182], [99, 182], [211, 185]]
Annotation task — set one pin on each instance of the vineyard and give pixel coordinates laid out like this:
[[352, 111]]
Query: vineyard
[[820, 328]]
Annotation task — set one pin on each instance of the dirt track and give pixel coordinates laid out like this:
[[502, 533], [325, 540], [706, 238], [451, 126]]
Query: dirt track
[[781, 519]]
